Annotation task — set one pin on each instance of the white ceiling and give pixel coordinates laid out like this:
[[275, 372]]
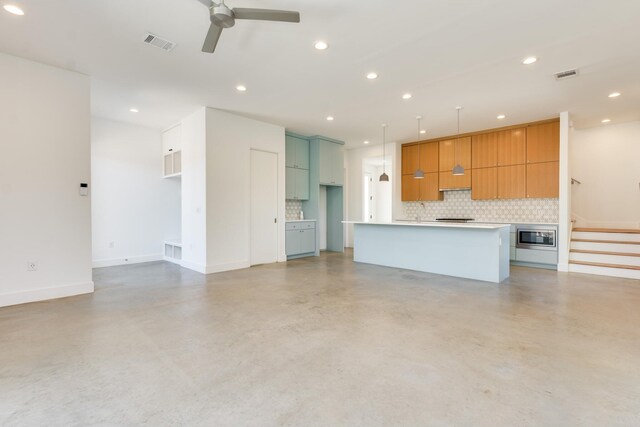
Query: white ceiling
[[445, 52]]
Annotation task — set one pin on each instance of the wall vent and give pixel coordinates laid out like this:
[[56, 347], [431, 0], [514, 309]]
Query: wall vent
[[158, 42], [566, 74]]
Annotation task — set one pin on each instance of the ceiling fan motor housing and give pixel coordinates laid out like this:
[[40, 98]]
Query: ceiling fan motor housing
[[222, 16]]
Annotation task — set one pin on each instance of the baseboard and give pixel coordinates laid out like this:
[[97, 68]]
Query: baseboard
[[44, 294], [564, 267], [219, 268], [193, 266], [99, 263], [172, 260]]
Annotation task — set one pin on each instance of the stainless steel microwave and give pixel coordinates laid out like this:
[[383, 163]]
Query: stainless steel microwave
[[536, 237]]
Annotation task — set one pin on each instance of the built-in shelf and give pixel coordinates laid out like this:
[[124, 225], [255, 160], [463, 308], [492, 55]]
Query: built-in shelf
[[173, 164], [173, 251]]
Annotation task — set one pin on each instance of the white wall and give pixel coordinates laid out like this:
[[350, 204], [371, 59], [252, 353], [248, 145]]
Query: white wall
[[230, 139], [383, 197], [45, 145], [194, 187], [216, 199], [606, 160], [355, 169], [133, 208]]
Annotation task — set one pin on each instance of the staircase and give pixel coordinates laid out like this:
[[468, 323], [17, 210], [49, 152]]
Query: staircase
[[605, 251]]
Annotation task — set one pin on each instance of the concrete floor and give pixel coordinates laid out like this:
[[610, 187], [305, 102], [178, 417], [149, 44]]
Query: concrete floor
[[325, 342]]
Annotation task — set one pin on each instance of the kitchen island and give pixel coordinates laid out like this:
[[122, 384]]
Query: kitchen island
[[473, 251]]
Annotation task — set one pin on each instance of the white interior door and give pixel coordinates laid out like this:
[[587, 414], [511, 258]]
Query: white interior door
[[264, 207]]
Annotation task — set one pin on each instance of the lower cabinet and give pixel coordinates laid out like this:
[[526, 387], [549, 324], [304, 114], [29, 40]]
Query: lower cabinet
[[300, 238]]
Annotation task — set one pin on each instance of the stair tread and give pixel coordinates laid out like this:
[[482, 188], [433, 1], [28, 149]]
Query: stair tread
[[608, 230], [600, 264], [606, 241], [584, 251]]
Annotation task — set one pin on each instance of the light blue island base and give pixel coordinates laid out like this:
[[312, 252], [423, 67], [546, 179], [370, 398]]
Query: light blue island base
[[473, 251]]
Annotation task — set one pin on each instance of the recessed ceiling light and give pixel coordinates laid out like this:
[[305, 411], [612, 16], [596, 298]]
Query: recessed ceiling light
[[530, 60], [365, 142], [372, 76], [320, 45], [614, 94], [330, 118], [13, 9], [606, 120], [423, 131], [134, 110], [241, 88], [407, 96], [501, 116]]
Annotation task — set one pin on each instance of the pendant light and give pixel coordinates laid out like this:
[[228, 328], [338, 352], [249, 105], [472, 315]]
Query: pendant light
[[458, 169], [418, 174], [384, 177]]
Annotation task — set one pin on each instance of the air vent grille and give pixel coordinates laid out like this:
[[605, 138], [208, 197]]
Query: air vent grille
[[566, 74], [158, 42]]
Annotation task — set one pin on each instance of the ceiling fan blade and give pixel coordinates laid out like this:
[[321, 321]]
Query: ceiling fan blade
[[266, 14], [212, 38], [207, 3]]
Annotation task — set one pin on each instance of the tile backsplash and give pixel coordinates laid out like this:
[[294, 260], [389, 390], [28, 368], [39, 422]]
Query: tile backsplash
[[292, 209], [459, 204]]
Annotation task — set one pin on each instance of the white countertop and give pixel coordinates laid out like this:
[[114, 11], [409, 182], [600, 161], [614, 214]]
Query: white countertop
[[300, 220], [485, 222], [435, 224]]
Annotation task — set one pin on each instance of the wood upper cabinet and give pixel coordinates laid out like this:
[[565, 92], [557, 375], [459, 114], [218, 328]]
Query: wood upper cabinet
[[512, 147], [543, 180], [512, 182], [425, 189], [423, 156], [543, 142], [484, 184], [453, 152], [501, 182], [448, 181], [410, 159], [410, 188], [484, 150], [429, 158], [430, 187]]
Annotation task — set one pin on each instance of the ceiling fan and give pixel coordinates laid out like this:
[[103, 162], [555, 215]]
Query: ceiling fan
[[224, 17]]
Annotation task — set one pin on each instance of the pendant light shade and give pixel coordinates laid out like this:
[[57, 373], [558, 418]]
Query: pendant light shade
[[384, 177], [419, 173], [458, 169]]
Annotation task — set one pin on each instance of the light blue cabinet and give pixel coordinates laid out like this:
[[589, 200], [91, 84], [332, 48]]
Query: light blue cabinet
[[331, 165], [296, 152], [297, 170], [300, 239], [297, 184]]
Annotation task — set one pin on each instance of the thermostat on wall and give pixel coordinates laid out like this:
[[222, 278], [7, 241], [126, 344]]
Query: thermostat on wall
[[84, 189]]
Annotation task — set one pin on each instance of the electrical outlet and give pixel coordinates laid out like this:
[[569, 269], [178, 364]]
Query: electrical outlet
[[32, 266], [112, 245]]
